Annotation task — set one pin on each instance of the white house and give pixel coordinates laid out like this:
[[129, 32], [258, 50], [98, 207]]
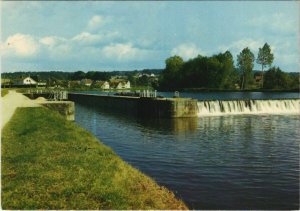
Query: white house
[[127, 85], [102, 84], [119, 84], [123, 85], [105, 85], [25, 81]]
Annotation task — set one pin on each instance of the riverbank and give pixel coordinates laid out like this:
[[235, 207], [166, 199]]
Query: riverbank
[[49, 163], [199, 90]]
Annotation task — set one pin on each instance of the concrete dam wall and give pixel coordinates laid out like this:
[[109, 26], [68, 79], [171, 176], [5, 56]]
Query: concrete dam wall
[[65, 108], [141, 106]]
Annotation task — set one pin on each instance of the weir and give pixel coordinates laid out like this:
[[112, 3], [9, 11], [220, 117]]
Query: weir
[[232, 107]]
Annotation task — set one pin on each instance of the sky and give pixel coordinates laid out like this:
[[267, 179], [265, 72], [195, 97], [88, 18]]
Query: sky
[[106, 36]]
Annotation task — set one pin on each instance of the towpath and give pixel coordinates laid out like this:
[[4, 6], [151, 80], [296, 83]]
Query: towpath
[[10, 102]]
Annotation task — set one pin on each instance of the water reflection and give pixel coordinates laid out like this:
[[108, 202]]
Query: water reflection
[[176, 125], [172, 125]]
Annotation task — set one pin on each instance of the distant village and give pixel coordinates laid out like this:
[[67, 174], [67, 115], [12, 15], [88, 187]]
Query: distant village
[[124, 80], [114, 82]]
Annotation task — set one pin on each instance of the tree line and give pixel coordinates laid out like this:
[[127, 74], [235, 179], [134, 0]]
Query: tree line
[[219, 72], [77, 75]]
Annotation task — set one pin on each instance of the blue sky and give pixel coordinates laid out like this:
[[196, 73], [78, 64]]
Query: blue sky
[[127, 35]]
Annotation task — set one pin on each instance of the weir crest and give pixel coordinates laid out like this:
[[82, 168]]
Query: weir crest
[[232, 107]]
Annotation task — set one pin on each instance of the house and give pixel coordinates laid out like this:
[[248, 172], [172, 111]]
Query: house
[[86, 82], [25, 81], [101, 84], [120, 84], [126, 84]]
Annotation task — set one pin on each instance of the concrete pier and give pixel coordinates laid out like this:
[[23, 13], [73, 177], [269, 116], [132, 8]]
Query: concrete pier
[[141, 106], [65, 108], [167, 107]]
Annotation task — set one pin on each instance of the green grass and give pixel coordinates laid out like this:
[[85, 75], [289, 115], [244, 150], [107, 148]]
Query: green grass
[[48, 163], [4, 92]]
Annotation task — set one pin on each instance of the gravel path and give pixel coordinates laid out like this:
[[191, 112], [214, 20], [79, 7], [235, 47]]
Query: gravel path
[[10, 102]]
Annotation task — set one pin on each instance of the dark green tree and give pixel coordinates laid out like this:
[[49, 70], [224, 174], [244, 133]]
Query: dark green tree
[[173, 64], [90, 75], [143, 81], [264, 58], [215, 72], [170, 75], [276, 79], [245, 62], [294, 83], [78, 75], [227, 74]]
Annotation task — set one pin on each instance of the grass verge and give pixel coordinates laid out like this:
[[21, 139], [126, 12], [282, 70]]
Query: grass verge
[[48, 163], [4, 92]]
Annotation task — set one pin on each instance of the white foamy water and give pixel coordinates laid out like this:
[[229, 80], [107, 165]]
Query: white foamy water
[[234, 107]]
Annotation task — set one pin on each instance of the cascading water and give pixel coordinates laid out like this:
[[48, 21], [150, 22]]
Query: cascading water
[[231, 107]]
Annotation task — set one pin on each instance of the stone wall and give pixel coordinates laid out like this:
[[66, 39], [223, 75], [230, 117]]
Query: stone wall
[[65, 108], [142, 107]]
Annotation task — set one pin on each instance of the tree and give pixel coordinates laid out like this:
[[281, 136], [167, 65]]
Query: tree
[[227, 74], [265, 58], [215, 72], [276, 79], [78, 75], [245, 61], [170, 73], [174, 63]]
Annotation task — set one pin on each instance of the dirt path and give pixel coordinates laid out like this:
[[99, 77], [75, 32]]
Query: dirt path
[[10, 102]]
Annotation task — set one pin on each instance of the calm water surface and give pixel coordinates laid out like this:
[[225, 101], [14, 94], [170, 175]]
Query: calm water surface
[[223, 162]]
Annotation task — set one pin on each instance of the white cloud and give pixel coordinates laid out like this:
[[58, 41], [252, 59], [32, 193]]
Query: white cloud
[[49, 41], [56, 48], [97, 21], [187, 51], [52, 41], [20, 45], [87, 38], [121, 51]]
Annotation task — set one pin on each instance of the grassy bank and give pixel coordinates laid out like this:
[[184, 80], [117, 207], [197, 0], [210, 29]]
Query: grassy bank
[[4, 92], [48, 163], [235, 90]]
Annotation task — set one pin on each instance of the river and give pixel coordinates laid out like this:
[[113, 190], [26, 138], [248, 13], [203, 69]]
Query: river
[[211, 162]]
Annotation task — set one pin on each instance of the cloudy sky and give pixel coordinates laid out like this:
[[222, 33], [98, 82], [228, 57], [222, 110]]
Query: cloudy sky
[[136, 35]]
